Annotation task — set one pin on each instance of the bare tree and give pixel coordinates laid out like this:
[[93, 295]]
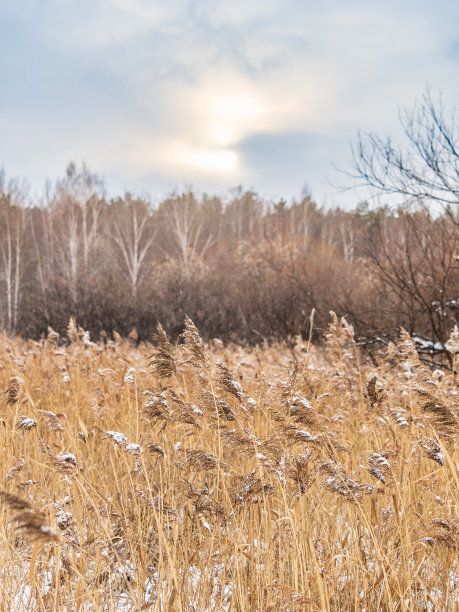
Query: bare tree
[[427, 169], [412, 256], [12, 246], [182, 218], [244, 213], [133, 235], [76, 216]]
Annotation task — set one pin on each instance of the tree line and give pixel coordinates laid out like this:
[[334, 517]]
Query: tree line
[[243, 269]]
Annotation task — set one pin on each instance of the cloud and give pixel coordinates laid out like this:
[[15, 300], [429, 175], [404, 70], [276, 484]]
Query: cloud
[[88, 25], [454, 49], [212, 91]]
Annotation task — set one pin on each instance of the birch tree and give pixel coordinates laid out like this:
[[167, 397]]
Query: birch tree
[[12, 248], [132, 234], [76, 226], [181, 217], [244, 214]]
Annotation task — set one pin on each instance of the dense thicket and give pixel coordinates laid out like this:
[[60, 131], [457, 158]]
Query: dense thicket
[[242, 268]]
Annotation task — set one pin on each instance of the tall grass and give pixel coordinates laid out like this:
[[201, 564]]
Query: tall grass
[[199, 477]]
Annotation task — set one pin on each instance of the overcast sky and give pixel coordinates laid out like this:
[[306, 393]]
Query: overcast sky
[[267, 94]]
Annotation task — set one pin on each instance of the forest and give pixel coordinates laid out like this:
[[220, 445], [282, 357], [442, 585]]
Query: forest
[[244, 269]]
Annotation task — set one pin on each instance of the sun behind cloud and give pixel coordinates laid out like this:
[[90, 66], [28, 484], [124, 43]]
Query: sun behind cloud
[[225, 117], [224, 161], [207, 160], [218, 118]]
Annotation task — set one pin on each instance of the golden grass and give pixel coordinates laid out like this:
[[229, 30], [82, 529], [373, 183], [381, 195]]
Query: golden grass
[[219, 478]]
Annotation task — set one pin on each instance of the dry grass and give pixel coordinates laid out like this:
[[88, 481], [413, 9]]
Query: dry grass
[[215, 478]]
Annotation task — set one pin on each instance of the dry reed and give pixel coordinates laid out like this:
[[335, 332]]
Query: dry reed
[[223, 478]]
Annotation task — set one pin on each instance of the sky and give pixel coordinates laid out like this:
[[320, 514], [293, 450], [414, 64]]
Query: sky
[[158, 96]]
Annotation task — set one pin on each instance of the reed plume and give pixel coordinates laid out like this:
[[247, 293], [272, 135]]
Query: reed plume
[[162, 359]]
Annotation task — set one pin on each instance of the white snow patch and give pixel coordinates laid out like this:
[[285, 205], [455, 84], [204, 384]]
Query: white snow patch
[[130, 376], [117, 436]]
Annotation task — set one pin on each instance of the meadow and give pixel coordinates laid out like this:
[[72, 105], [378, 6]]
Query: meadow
[[197, 477]]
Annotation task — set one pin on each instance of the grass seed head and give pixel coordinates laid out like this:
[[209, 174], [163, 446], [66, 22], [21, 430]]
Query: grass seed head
[[162, 359], [13, 392], [195, 345]]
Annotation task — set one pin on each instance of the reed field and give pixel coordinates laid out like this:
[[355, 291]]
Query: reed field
[[201, 477]]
